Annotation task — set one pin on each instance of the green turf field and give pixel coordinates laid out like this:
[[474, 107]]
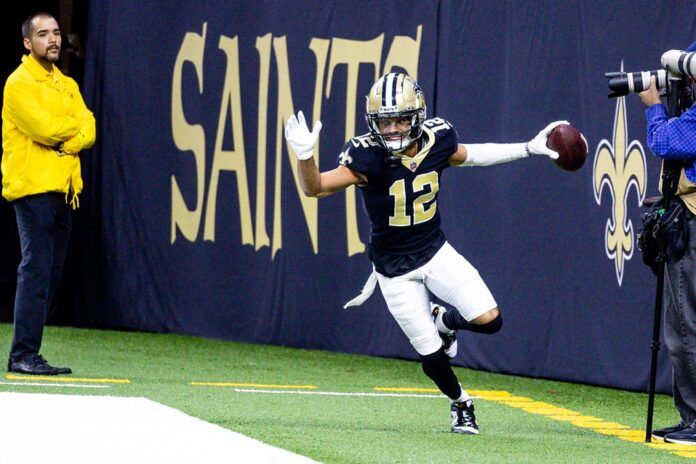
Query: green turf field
[[336, 408]]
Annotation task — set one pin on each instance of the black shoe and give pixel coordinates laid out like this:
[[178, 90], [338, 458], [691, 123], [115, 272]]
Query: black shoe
[[659, 434], [35, 364], [464, 419], [449, 342], [686, 436], [449, 339]]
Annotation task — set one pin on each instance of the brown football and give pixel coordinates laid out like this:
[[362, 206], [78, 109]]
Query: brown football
[[570, 145]]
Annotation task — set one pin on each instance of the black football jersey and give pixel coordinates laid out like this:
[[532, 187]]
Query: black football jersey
[[401, 201]]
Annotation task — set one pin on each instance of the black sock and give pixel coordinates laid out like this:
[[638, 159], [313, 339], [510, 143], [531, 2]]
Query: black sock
[[453, 320], [438, 368]]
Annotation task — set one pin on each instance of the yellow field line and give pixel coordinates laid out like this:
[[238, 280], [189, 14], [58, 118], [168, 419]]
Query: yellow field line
[[596, 424], [251, 385], [63, 379]]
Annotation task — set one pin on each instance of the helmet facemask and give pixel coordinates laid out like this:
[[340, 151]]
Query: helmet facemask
[[396, 96], [397, 142]]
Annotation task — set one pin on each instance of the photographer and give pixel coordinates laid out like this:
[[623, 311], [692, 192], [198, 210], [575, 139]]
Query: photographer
[[675, 139]]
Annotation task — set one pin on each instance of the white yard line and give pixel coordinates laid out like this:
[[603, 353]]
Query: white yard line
[[330, 393], [76, 429]]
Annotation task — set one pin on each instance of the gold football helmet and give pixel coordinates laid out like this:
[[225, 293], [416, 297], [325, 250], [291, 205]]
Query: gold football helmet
[[396, 95]]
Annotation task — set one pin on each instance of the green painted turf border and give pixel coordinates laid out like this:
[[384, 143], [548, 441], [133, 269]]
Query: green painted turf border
[[537, 422]]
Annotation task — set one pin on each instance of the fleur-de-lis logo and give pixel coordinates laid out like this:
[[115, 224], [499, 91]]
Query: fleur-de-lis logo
[[619, 167], [344, 158]]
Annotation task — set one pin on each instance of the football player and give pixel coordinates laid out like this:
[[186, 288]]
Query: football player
[[398, 165]]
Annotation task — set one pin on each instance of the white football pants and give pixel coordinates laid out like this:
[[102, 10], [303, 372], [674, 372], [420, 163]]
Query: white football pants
[[450, 277]]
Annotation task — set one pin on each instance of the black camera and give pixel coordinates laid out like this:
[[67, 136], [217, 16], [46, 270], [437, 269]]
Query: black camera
[[678, 65], [623, 83]]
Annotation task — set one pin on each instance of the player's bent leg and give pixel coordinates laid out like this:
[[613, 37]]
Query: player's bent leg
[[454, 280], [488, 323], [409, 303]]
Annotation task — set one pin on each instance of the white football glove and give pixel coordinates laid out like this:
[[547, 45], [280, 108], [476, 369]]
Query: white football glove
[[537, 146], [298, 136]]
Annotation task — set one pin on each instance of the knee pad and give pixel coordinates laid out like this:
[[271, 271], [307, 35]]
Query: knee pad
[[455, 321], [490, 327]]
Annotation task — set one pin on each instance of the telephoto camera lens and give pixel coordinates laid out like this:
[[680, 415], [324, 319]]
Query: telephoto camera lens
[[623, 83], [680, 62]]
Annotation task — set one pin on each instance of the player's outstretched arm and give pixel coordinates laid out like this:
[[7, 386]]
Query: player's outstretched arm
[[487, 154], [314, 183]]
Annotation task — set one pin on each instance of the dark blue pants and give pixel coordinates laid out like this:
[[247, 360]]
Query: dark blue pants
[[680, 327], [44, 222]]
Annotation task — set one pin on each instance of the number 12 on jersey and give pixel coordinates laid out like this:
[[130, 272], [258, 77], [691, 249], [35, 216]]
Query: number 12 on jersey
[[421, 212], [437, 124]]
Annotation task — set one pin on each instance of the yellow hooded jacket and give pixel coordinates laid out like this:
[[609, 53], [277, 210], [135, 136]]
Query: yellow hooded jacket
[[40, 111]]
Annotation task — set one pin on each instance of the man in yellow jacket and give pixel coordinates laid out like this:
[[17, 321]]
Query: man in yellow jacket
[[45, 124]]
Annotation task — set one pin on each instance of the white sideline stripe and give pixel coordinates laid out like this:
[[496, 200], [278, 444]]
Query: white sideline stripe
[[329, 393], [43, 384], [79, 429]]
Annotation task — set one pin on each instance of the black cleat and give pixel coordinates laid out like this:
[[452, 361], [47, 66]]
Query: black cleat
[[464, 418], [449, 338]]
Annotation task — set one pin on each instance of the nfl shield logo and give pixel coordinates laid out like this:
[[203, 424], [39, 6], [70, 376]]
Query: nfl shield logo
[[413, 166]]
